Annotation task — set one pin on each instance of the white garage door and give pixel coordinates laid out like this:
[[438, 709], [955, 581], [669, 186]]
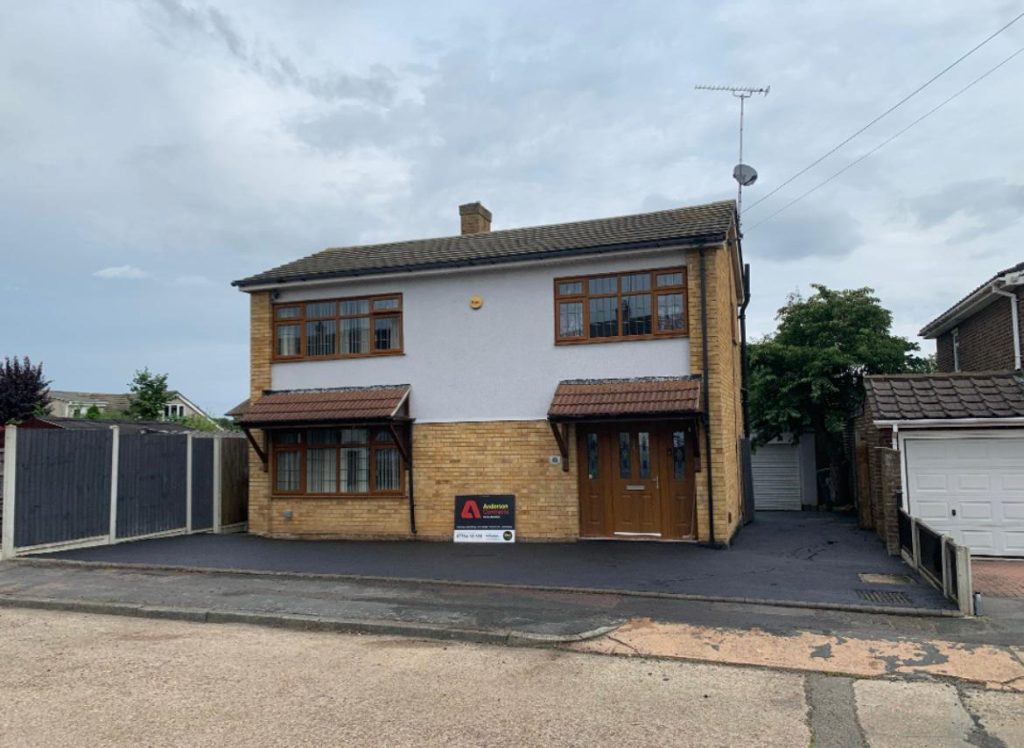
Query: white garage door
[[972, 488], [776, 472]]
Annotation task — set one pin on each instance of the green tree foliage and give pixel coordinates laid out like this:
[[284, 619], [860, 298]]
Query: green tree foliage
[[809, 375], [24, 391], [149, 396]]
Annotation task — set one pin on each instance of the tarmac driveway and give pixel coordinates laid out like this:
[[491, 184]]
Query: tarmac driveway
[[811, 558]]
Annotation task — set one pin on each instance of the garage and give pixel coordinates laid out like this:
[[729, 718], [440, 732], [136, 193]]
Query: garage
[[969, 484], [783, 473]]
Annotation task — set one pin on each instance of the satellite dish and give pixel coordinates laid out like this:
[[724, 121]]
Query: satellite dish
[[745, 175]]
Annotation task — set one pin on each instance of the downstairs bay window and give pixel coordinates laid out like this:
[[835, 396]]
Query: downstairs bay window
[[348, 461]]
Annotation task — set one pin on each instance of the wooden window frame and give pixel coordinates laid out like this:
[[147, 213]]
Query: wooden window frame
[[584, 298], [303, 445], [372, 315]]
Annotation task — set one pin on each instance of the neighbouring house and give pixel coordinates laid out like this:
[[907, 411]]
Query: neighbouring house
[[590, 370], [64, 404], [982, 332], [951, 444]]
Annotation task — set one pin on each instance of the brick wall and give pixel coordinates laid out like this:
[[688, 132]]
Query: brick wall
[[875, 503], [259, 380], [724, 373], [450, 459], [986, 339]]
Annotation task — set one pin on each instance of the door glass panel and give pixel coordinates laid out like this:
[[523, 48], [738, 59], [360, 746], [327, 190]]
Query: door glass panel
[[592, 456], [644, 444], [678, 455], [625, 457]]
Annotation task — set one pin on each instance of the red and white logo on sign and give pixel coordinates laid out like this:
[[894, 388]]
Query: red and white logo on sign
[[470, 510]]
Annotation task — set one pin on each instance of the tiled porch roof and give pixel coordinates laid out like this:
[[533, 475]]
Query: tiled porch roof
[[913, 397], [326, 406], [647, 396]]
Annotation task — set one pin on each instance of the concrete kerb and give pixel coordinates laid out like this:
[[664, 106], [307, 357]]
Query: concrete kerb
[[506, 637], [809, 605]]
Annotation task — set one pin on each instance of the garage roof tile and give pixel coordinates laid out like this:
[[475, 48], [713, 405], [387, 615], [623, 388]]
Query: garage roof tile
[[911, 397]]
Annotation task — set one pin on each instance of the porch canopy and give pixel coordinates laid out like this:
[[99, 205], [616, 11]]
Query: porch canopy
[[641, 398], [383, 405]]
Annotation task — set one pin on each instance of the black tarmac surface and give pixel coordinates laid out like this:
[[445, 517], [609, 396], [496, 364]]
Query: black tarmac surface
[[787, 557]]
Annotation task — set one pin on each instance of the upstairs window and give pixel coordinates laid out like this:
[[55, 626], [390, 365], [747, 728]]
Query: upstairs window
[[621, 306], [338, 328]]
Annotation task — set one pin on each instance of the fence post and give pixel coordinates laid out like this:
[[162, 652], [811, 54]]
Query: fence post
[[915, 541], [188, 483], [218, 472], [947, 583], [10, 460], [964, 580], [115, 458]]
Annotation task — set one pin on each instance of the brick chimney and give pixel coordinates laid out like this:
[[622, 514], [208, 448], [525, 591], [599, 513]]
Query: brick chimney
[[476, 219]]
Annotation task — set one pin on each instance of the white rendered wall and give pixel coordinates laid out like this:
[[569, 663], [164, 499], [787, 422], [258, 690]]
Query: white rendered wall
[[497, 363]]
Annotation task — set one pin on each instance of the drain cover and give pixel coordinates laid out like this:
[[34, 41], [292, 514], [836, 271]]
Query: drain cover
[[885, 579], [883, 597]]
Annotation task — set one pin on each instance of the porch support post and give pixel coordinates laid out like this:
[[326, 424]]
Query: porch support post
[[260, 451], [562, 438]]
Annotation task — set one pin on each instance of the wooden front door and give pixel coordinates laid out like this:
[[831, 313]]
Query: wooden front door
[[636, 481]]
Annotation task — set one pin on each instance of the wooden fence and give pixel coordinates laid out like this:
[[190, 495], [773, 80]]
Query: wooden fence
[[66, 488]]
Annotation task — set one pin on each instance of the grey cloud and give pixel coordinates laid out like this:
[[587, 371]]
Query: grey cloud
[[800, 234], [378, 87], [992, 204]]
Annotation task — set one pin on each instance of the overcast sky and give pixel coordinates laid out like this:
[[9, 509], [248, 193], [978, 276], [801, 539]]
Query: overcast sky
[[151, 152]]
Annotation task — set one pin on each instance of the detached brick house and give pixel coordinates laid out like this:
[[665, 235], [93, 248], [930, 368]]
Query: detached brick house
[[591, 369], [952, 443]]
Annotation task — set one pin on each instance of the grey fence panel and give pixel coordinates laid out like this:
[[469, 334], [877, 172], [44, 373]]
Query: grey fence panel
[[151, 484], [63, 489], [202, 483], [234, 480]]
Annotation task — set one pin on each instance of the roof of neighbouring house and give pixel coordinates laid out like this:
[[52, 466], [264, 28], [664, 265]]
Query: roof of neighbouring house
[[116, 401], [709, 223], [916, 397], [339, 405], [88, 424], [968, 305], [642, 396]]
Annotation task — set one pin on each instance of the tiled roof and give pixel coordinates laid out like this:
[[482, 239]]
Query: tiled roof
[[912, 397], [951, 315], [326, 406], [584, 398], [238, 410], [710, 222]]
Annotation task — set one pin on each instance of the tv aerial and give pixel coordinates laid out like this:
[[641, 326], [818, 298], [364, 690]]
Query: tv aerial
[[744, 174]]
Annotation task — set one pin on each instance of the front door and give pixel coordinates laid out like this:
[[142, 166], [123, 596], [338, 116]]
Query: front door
[[636, 481]]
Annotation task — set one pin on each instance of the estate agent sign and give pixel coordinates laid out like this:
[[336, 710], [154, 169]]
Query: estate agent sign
[[485, 519]]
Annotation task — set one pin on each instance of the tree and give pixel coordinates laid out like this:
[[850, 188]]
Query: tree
[[24, 391], [809, 375], [149, 396]]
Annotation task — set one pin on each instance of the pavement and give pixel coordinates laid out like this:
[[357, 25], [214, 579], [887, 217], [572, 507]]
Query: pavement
[[998, 577], [73, 679], [809, 559]]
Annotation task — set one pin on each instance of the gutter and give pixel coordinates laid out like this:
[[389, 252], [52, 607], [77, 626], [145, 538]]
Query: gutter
[[968, 306], [1008, 280], [932, 423], [706, 387]]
